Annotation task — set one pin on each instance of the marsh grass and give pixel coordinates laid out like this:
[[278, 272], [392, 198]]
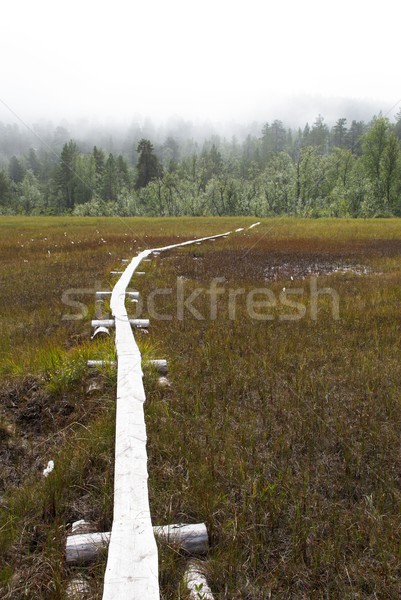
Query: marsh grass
[[282, 436]]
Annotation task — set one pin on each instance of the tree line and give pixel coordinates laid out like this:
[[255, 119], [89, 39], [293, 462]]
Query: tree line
[[351, 170]]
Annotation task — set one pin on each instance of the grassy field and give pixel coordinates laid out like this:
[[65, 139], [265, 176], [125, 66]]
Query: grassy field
[[281, 426]]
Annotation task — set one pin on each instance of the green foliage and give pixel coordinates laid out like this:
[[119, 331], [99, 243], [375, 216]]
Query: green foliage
[[148, 166], [319, 135], [66, 177], [339, 133], [33, 162], [278, 183], [110, 179], [5, 189], [381, 159], [314, 171], [30, 197], [16, 170], [273, 139]]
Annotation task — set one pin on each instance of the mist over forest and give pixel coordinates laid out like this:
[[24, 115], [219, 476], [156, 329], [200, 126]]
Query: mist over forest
[[326, 167]]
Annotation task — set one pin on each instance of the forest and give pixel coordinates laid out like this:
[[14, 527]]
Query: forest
[[346, 170]]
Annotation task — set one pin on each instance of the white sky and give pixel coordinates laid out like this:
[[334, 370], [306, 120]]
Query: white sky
[[217, 60]]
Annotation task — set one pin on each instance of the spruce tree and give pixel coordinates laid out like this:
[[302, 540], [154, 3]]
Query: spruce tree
[[148, 166]]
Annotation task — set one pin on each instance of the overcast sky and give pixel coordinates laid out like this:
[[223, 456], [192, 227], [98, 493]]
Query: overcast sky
[[215, 59]]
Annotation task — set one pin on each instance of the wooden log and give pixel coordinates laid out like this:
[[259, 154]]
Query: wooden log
[[82, 526], [160, 365], [195, 581], [78, 588], [193, 539], [102, 323], [94, 364], [84, 548], [129, 294], [94, 386], [99, 331], [139, 323], [102, 295]]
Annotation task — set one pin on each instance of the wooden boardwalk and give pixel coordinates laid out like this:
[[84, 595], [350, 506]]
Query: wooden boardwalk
[[132, 564]]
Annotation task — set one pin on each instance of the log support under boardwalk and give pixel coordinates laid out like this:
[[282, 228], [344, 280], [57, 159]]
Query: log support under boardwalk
[[100, 331], [160, 365], [94, 364], [139, 323], [84, 548], [105, 294], [195, 581]]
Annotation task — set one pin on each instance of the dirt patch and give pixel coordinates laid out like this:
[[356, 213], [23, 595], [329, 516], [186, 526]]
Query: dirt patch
[[270, 264], [33, 409], [28, 413], [303, 269], [31, 418], [12, 454]]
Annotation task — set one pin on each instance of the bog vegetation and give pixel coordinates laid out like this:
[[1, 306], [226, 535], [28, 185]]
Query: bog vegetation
[[283, 436], [351, 170]]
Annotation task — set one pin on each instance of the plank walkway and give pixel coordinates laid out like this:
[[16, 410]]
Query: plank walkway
[[132, 564]]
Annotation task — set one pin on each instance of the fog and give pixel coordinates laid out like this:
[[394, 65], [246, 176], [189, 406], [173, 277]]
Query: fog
[[220, 64]]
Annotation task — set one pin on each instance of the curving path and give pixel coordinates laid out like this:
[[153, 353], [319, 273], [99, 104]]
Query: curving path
[[132, 564]]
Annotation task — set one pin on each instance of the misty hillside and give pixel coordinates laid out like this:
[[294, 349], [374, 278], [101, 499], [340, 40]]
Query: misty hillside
[[347, 169]]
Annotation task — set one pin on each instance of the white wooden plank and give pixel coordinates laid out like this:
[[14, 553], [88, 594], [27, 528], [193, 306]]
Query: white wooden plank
[[132, 567], [132, 563]]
